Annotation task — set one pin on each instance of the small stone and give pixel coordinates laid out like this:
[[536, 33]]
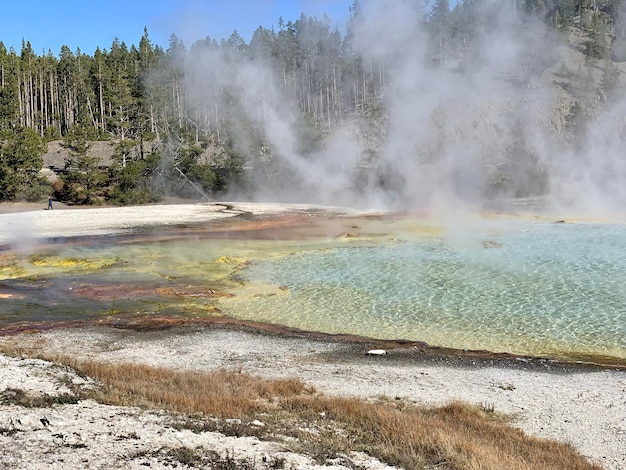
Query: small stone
[[376, 352], [506, 386]]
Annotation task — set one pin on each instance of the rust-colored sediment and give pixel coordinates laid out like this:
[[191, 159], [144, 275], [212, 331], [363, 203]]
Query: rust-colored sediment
[[129, 292], [283, 226]]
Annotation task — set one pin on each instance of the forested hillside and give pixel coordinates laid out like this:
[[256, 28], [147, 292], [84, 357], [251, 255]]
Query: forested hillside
[[404, 106]]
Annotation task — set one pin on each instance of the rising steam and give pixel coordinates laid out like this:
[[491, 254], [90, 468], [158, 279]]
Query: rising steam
[[478, 126]]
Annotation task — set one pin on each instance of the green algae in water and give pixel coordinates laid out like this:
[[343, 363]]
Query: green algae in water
[[526, 288]]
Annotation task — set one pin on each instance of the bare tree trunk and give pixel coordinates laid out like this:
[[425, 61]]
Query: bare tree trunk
[[93, 115], [101, 97], [54, 98], [20, 102], [32, 98], [179, 108], [328, 108], [122, 128], [335, 94], [43, 108]]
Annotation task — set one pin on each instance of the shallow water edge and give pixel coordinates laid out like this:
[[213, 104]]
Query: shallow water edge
[[396, 351], [200, 302]]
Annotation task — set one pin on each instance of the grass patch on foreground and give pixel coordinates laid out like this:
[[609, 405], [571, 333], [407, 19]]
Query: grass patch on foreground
[[456, 436]]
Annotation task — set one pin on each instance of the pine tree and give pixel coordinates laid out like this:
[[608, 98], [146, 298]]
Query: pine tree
[[21, 159], [82, 179], [9, 111]]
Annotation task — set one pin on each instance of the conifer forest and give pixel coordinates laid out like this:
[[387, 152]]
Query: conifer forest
[[485, 99]]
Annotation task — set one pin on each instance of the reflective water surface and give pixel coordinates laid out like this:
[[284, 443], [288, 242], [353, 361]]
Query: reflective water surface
[[504, 285], [540, 289]]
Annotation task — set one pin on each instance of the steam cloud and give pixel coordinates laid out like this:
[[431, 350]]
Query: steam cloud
[[450, 131]]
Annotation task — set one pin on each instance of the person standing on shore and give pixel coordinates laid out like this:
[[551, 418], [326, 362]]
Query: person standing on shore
[[49, 203]]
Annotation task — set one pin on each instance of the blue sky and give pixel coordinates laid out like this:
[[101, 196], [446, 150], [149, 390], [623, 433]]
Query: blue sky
[[89, 24]]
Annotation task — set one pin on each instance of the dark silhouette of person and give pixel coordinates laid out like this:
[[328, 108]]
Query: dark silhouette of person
[[50, 203]]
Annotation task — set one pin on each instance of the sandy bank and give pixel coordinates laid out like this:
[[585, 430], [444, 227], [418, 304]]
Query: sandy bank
[[21, 223], [584, 407]]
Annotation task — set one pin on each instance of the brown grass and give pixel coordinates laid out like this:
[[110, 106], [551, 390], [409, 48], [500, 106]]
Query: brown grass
[[456, 436], [224, 394]]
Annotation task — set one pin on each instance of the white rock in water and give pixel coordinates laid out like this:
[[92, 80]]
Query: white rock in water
[[376, 352]]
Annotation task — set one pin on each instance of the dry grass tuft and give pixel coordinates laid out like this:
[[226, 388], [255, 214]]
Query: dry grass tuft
[[222, 393], [456, 436]]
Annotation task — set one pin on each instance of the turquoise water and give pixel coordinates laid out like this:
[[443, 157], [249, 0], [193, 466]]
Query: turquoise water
[[503, 285], [545, 289]]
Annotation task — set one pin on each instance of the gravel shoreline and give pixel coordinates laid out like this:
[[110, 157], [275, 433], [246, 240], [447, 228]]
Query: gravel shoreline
[[582, 406], [585, 407]]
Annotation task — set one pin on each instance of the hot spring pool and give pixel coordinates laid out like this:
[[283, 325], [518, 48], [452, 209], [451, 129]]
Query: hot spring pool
[[525, 287], [537, 288]]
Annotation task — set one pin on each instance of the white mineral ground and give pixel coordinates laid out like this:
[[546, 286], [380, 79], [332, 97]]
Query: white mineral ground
[[585, 407]]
